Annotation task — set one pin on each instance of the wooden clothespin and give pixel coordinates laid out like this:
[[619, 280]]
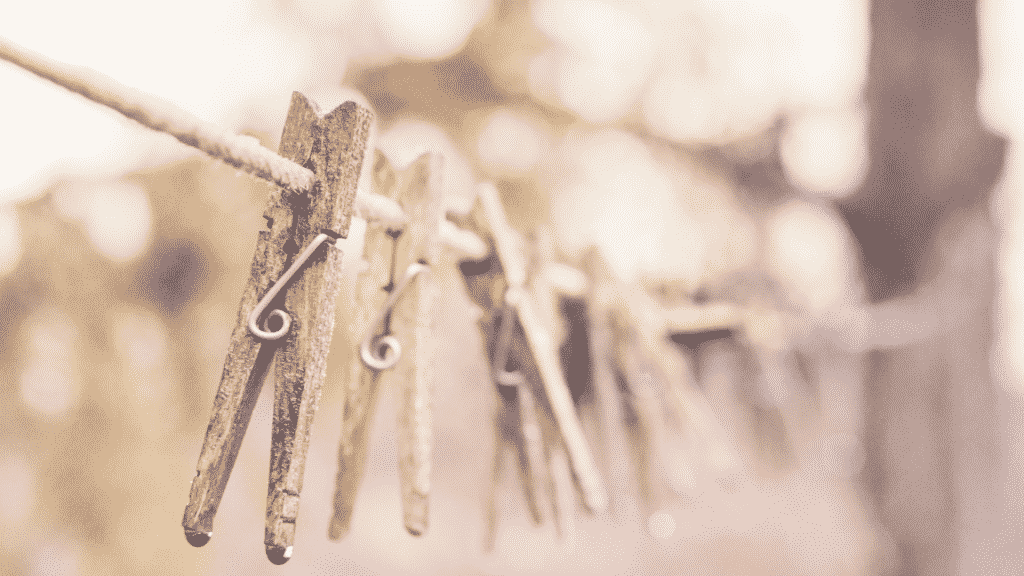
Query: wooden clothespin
[[521, 422], [518, 423], [393, 329], [287, 308], [519, 332], [764, 331], [781, 408], [673, 430]]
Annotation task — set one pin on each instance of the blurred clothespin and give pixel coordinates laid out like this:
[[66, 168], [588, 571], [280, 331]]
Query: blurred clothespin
[[518, 423], [392, 329], [674, 432], [781, 407], [287, 308], [521, 331], [766, 331]]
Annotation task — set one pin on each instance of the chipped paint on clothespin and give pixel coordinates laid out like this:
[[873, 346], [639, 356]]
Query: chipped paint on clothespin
[[541, 345], [393, 328], [332, 146]]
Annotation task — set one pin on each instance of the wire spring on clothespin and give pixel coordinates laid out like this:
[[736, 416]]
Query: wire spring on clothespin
[[325, 236], [382, 351], [499, 363]]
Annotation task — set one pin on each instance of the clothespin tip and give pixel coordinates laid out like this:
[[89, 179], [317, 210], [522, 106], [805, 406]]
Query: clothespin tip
[[337, 529], [197, 539], [278, 555], [597, 502]]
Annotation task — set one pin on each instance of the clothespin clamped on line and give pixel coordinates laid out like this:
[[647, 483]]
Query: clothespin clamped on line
[[287, 308], [674, 431], [393, 329], [765, 330], [517, 330], [522, 422]]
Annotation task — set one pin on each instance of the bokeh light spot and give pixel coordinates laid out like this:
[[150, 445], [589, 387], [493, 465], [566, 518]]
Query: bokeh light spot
[[661, 525]]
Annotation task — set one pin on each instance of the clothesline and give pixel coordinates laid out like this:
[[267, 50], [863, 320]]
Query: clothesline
[[242, 152]]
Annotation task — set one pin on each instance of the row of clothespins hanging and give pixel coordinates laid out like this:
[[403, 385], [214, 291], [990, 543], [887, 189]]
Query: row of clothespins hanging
[[287, 309]]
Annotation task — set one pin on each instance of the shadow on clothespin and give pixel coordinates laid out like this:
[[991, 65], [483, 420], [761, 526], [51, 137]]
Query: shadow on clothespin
[[521, 327], [646, 384], [393, 329], [287, 308]]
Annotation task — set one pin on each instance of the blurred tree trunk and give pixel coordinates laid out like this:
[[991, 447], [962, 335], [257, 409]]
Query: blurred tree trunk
[[922, 223]]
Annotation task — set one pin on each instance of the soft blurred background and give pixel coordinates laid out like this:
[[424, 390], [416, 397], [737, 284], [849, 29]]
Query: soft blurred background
[[848, 165]]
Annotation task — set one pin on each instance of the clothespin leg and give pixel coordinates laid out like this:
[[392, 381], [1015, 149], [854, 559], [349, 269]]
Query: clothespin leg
[[531, 449], [414, 319], [232, 411], [556, 389], [520, 410], [559, 506], [248, 356], [357, 414], [609, 398], [491, 499], [414, 377], [361, 383], [337, 156], [696, 411], [415, 446], [546, 436]]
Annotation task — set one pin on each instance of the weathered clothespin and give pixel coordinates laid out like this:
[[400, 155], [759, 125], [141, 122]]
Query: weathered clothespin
[[522, 334], [393, 329], [518, 425], [522, 422], [764, 329], [287, 308]]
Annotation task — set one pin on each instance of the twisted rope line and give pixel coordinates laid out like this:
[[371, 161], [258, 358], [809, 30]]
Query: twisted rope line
[[242, 152]]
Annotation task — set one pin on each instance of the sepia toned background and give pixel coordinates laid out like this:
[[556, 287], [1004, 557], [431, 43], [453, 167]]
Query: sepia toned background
[[849, 166]]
